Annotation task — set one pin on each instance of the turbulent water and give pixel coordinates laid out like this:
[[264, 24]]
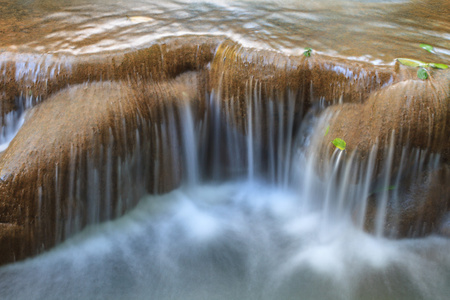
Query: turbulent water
[[234, 240], [275, 229], [253, 219]]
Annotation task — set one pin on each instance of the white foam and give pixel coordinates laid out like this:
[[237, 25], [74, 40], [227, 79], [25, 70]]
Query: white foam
[[208, 240]]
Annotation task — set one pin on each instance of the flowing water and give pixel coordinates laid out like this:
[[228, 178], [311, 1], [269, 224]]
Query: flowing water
[[235, 240], [274, 229], [377, 31], [259, 214]]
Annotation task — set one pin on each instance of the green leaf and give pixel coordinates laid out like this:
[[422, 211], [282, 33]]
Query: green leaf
[[427, 47], [422, 73], [412, 62], [339, 143], [307, 52], [327, 130], [379, 190], [438, 66]]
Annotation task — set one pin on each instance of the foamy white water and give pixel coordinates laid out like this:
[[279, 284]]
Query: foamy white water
[[257, 218], [235, 240], [251, 222], [13, 122]]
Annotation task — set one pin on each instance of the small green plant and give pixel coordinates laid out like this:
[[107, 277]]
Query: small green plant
[[427, 47], [422, 72], [327, 130], [339, 143], [383, 189], [307, 52], [438, 66], [411, 62], [417, 63]]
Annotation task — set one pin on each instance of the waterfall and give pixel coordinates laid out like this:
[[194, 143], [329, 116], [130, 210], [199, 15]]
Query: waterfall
[[186, 150], [260, 214]]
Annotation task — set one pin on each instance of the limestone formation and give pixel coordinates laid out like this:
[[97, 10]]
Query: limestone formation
[[411, 116], [422, 208], [414, 113], [86, 155], [238, 72], [107, 129], [50, 73]]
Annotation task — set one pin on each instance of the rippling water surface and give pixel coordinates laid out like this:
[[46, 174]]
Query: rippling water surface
[[376, 31], [246, 239]]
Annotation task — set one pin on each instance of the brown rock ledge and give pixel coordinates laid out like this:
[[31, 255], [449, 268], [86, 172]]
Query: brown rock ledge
[[40, 75], [86, 155]]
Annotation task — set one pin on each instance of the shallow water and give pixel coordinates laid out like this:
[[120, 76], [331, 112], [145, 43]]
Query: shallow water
[[376, 31], [277, 237], [234, 240]]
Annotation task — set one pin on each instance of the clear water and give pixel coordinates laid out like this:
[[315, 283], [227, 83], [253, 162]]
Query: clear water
[[376, 31], [272, 227]]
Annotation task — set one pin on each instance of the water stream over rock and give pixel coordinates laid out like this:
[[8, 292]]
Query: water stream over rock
[[183, 151]]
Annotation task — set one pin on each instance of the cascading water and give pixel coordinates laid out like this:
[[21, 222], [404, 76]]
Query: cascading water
[[216, 184], [253, 220], [13, 120]]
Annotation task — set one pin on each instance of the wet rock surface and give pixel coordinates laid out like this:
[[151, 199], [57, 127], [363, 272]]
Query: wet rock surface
[[418, 210], [39, 76], [237, 73], [413, 113], [101, 131], [86, 155]]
